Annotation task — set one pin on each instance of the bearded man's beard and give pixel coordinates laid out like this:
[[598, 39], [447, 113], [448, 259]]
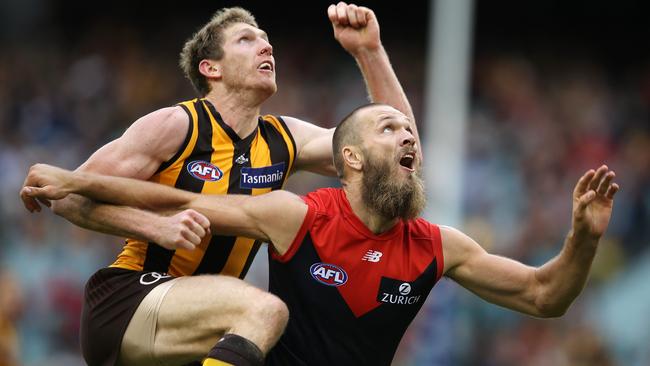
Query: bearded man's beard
[[388, 197]]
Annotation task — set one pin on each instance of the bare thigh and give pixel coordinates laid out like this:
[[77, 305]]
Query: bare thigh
[[197, 311]]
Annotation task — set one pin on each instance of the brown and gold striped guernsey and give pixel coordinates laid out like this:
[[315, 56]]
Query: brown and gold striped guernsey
[[214, 160]]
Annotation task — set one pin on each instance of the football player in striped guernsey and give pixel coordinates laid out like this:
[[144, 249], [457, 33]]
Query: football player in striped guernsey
[[173, 300]]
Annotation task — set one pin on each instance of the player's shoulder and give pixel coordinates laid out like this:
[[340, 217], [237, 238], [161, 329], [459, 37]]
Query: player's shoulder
[[451, 233], [456, 241], [276, 122], [421, 227], [303, 130], [162, 131], [165, 122], [325, 199], [168, 115]]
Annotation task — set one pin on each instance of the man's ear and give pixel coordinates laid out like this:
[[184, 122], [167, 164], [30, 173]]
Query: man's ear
[[352, 157], [210, 69]]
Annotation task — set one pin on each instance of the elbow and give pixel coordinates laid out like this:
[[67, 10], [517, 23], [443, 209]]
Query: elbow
[[547, 307], [550, 297], [553, 313]]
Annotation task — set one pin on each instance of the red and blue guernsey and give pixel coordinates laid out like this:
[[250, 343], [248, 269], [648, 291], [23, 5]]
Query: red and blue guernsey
[[351, 294]]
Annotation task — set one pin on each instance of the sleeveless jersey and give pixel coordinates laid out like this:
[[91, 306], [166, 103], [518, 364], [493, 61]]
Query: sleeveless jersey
[[215, 160], [351, 294]]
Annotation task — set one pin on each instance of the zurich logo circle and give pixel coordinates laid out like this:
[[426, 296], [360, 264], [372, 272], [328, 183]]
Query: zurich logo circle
[[404, 288], [328, 274], [204, 171]]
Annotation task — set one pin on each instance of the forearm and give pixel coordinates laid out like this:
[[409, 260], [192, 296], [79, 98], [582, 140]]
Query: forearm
[[109, 219], [563, 277], [129, 192], [381, 80], [382, 83]]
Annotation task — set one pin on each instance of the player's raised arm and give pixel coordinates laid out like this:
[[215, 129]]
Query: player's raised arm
[[549, 290], [356, 28]]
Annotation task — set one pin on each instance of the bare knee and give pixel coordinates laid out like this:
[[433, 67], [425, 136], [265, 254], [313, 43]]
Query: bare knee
[[226, 305], [272, 311], [268, 316]]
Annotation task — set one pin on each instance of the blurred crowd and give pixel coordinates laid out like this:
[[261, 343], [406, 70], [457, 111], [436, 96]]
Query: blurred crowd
[[537, 122]]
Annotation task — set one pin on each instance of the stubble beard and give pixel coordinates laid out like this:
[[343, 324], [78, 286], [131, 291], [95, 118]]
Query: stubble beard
[[240, 82], [388, 197]]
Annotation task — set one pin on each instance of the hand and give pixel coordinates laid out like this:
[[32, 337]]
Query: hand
[[355, 27], [44, 183], [593, 198], [184, 230]]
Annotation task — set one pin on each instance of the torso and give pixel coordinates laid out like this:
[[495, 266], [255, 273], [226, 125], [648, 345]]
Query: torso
[[214, 160], [351, 294]]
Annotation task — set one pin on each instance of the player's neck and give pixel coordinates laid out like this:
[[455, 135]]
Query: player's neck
[[237, 111], [374, 222]]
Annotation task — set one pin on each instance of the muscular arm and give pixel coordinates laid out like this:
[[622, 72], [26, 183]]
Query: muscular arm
[[382, 83], [549, 290], [314, 146], [506, 282], [108, 219], [357, 30], [275, 217], [150, 141]]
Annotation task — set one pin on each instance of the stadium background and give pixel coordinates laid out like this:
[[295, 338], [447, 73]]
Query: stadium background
[[555, 88]]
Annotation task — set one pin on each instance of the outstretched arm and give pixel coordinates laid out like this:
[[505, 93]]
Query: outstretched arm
[[549, 290], [148, 142], [274, 217]]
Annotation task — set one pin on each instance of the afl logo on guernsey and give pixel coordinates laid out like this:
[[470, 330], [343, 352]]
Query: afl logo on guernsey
[[328, 274], [204, 171]]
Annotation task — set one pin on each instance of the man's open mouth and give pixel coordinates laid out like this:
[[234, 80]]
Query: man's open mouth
[[407, 160], [266, 66]]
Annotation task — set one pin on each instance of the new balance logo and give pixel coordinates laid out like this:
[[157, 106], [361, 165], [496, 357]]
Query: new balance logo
[[372, 256]]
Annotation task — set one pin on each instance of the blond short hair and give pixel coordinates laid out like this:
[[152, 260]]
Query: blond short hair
[[207, 43]]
